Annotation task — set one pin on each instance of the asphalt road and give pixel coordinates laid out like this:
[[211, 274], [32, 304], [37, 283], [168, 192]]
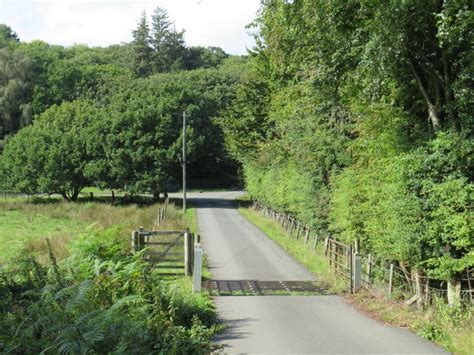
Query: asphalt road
[[236, 250]]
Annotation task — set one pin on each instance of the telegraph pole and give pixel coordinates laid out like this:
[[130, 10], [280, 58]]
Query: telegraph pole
[[184, 162]]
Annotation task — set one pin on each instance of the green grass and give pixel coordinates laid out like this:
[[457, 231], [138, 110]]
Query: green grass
[[313, 260], [450, 327], [24, 226], [19, 228]]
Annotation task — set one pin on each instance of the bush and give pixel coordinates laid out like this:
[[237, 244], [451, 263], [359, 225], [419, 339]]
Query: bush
[[99, 300]]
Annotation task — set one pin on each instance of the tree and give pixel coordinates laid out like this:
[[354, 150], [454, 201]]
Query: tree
[[52, 154], [15, 90], [8, 37], [160, 30], [141, 47]]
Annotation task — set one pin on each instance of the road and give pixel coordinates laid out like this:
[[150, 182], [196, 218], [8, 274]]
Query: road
[[236, 250]]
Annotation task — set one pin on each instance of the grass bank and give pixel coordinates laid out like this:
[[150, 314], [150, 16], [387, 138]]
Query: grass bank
[[313, 260], [449, 327]]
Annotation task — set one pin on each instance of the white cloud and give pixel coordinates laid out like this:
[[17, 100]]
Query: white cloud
[[103, 22]]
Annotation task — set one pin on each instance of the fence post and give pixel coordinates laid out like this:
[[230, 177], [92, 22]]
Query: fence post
[[326, 245], [316, 241], [357, 273], [369, 268], [350, 257], [188, 247], [298, 230], [390, 281], [197, 268], [306, 236], [135, 246], [90, 194]]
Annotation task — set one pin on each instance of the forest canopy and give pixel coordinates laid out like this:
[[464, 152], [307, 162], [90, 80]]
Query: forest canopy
[[72, 117]]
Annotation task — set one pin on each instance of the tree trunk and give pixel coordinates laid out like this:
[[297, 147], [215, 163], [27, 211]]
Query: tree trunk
[[454, 292], [448, 92], [433, 113], [418, 288], [75, 194]]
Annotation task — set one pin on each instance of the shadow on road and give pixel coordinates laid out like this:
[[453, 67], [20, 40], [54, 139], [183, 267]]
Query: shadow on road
[[233, 329]]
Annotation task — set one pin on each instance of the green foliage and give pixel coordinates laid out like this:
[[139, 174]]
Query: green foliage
[[369, 139], [51, 155], [99, 300], [15, 90]]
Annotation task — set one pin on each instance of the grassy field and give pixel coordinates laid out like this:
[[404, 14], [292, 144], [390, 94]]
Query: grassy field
[[24, 226], [313, 260], [95, 294], [20, 230]]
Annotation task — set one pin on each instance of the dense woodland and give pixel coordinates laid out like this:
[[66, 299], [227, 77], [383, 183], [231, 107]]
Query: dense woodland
[[112, 117], [354, 116], [357, 118]]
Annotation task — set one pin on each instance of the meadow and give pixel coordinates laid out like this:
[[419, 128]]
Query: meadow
[[69, 283]]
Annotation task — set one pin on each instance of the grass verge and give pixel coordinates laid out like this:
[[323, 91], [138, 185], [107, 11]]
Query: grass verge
[[450, 327], [313, 260]]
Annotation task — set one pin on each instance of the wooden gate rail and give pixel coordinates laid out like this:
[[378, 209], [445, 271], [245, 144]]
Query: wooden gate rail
[[142, 239]]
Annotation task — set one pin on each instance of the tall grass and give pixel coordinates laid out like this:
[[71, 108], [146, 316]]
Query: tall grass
[[62, 222], [82, 291]]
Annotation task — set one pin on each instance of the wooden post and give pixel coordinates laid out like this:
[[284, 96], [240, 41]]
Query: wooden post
[[91, 196], [351, 268], [135, 247], [390, 281], [357, 273], [316, 241], [306, 236], [469, 284], [369, 268], [188, 248], [357, 246], [326, 245]]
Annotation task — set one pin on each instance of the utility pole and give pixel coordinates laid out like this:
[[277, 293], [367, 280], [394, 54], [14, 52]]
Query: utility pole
[[184, 162]]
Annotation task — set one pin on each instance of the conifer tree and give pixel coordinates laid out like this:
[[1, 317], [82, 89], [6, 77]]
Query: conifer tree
[[142, 52]]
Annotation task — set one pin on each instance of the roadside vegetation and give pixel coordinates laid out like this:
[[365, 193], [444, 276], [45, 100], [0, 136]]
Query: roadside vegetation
[[450, 327], [74, 287], [313, 260]]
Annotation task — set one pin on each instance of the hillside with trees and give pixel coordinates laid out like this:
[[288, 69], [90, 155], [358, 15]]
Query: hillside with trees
[[111, 117]]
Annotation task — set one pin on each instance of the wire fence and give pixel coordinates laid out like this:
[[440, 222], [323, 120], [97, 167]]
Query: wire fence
[[395, 280]]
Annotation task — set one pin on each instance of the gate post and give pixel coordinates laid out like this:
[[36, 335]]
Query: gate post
[[134, 242], [357, 284], [197, 271], [141, 238], [188, 249]]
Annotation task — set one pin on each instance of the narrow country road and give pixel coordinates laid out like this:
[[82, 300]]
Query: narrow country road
[[236, 250]]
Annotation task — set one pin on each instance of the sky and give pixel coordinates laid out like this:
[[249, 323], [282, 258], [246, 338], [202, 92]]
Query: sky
[[103, 22]]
